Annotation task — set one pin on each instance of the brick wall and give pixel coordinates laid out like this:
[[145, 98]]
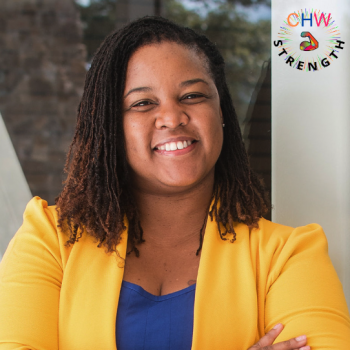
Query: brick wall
[[42, 72]]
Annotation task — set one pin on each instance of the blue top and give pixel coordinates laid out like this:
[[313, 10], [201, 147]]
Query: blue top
[[149, 322]]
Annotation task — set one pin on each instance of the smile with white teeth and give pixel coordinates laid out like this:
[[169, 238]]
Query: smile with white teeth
[[173, 146]]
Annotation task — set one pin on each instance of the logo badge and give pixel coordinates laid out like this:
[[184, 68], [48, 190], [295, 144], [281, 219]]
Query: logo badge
[[322, 44]]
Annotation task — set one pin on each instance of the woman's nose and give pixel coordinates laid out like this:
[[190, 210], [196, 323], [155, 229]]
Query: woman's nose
[[171, 115]]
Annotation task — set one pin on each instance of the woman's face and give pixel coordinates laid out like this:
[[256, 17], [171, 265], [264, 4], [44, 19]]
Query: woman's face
[[172, 118]]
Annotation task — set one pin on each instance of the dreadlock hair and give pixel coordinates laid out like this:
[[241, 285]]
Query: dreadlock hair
[[97, 194]]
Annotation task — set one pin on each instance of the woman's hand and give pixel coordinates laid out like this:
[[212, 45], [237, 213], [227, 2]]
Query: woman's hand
[[265, 343]]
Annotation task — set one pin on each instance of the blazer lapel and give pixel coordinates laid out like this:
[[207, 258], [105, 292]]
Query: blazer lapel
[[225, 310], [89, 296]]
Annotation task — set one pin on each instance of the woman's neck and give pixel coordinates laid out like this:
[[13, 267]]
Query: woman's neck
[[171, 219]]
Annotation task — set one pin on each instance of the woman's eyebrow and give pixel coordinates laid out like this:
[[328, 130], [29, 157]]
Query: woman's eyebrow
[[192, 81], [183, 84], [142, 88]]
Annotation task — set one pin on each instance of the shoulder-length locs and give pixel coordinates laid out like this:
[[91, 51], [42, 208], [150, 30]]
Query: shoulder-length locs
[[96, 195]]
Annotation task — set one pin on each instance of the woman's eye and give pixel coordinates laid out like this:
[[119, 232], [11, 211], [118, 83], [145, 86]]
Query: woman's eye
[[196, 98], [192, 96], [142, 104]]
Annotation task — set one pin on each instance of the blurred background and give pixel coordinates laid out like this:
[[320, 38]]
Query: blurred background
[[46, 47]]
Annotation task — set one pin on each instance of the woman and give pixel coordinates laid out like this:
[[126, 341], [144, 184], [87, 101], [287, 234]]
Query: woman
[[157, 240]]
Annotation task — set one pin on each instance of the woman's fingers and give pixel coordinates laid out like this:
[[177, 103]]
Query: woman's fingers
[[269, 337], [265, 343]]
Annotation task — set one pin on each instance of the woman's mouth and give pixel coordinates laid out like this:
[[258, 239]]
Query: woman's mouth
[[176, 148], [173, 146]]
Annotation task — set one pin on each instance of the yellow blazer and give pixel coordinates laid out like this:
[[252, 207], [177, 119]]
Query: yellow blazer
[[54, 297]]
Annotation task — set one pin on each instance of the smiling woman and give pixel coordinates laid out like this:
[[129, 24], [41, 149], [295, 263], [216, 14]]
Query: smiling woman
[[180, 104], [157, 240]]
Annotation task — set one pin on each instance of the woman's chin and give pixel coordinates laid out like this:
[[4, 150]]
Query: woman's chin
[[182, 182], [171, 181]]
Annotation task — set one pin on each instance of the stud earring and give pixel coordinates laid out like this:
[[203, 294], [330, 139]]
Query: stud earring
[[223, 125]]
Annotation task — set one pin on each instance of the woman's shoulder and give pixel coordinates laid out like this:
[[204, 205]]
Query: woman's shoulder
[[40, 218], [39, 232], [39, 208], [41, 228], [280, 246], [269, 232]]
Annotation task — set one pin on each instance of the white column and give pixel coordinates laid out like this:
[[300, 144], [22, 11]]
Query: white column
[[311, 133], [14, 190]]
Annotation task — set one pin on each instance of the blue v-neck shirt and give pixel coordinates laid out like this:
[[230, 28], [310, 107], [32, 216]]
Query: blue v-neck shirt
[[149, 322]]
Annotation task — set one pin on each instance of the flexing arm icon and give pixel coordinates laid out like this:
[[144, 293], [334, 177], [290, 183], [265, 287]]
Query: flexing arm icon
[[308, 45]]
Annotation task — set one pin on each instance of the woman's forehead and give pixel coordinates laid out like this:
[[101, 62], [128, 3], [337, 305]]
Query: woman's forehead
[[166, 58]]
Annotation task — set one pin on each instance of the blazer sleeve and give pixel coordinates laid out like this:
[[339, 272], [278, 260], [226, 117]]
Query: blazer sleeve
[[30, 282], [305, 294]]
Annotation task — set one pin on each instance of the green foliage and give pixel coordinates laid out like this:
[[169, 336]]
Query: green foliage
[[240, 2], [99, 20]]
